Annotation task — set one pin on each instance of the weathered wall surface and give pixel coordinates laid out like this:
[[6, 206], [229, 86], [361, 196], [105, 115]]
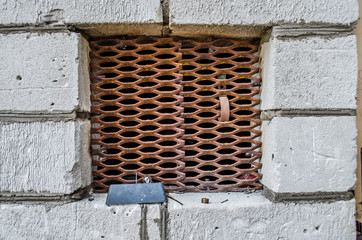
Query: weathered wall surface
[[250, 18], [259, 12], [93, 17], [243, 216], [45, 85], [44, 157], [309, 154], [308, 102], [44, 73], [312, 72], [309, 71]]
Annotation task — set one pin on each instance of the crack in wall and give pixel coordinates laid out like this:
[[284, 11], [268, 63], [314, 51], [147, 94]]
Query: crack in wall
[[143, 227], [161, 222], [308, 197], [164, 220], [290, 32], [268, 115], [77, 195], [40, 117], [165, 5]]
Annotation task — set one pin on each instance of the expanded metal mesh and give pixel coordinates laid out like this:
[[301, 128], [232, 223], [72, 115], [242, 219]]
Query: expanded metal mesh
[[180, 111]]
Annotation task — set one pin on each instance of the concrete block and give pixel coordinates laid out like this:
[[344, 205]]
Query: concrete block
[[251, 216], [154, 222], [97, 18], [44, 73], [78, 220], [243, 216], [309, 154], [315, 72], [44, 158], [204, 17]]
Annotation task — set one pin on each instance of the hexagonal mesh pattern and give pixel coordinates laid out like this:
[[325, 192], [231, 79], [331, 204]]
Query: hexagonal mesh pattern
[[220, 155], [179, 111]]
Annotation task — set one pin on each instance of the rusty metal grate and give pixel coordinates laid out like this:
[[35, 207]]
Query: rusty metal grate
[[180, 111]]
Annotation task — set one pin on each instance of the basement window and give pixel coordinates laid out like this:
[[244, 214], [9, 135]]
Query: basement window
[[183, 112]]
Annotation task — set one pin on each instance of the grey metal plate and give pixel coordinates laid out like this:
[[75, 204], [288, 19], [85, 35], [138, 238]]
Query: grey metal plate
[[136, 193]]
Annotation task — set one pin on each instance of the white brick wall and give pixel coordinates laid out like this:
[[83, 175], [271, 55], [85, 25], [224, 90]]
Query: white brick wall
[[251, 216], [204, 17], [243, 216], [260, 12], [44, 73], [82, 11], [309, 154], [79, 220], [111, 17], [44, 157], [310, 72]]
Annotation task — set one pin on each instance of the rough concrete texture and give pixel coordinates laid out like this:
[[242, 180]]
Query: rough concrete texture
[[315, 72], [152, 223], [251, 216], [110, 17], [243, 216], [309, 154], [44, 158], [44, 73], [79, 220], [253, 13]]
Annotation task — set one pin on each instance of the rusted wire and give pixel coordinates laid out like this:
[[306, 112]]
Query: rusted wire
[[156, 113]]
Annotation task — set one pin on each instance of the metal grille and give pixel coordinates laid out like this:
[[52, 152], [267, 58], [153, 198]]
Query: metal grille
[[177, 110], [220, 153]]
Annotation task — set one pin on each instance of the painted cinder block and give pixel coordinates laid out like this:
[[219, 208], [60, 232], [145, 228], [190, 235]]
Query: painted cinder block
[[155, 221], [310, 72], [309, 154], [204, 17], [78, 220], [96, 18], [251, 216], [44, 73], [44, 158], [243, 216]]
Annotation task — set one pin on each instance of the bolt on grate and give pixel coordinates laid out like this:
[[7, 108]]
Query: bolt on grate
[[180, 111]]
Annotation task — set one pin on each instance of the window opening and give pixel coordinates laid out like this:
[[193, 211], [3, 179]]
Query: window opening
[[181, 111]]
